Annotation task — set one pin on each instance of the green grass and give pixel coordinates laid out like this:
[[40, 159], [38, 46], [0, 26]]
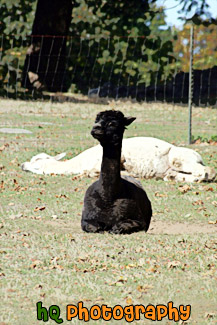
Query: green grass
[[46, 257]]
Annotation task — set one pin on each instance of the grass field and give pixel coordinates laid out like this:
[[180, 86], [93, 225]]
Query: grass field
[[46, 257]]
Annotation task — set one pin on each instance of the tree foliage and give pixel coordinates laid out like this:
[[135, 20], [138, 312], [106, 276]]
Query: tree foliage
[[110, 40], [205, 47], [117, 42], [16, 19], [121, 41], [199, 11]]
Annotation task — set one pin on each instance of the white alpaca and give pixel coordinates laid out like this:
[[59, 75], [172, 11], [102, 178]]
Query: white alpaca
[[144, 157]]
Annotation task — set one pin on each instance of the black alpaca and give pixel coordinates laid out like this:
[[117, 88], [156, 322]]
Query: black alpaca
[[115, 204]]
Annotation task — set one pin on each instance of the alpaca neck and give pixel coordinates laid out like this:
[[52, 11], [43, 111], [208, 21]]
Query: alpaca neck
[[110, 170]]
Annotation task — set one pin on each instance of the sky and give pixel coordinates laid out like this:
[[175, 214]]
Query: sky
[[172, 14]]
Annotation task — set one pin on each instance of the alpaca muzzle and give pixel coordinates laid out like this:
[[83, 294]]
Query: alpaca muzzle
[[97, 131]]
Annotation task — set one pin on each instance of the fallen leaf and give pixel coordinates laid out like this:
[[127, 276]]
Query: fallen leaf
[[173, 264], [35, 264], [86, 300], [130, 266], [199, 202], [26, 245], [56, 266], [211, 266], [144, 288], [35, 217], [208, 188], [210, 315], [61, 196], [4, 146], [120, 282], [184, 188], [39, 208], [152, 269], [212, 222], [160, 194], [98, 299], [54, 259], [129, 301], [201, 209]]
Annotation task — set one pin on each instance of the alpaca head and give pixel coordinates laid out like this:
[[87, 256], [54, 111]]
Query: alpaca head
[[109, 127]]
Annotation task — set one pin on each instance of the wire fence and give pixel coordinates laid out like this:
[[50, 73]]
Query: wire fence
[[36, 66]]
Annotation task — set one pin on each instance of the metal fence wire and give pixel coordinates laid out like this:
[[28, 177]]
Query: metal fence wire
[[35, 66]]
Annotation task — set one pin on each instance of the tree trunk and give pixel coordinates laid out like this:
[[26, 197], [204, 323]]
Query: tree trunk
[[44, 66]]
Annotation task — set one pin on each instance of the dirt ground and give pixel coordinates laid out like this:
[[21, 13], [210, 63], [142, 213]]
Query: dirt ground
[[178, 228]]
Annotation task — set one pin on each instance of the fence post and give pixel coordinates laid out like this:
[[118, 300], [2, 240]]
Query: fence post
[[191, 85]]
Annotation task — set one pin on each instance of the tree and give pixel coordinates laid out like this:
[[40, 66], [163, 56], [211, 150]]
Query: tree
[[45, 60], [205, 49], [114, 43], [16, 18], [199, 10], [110, 41]]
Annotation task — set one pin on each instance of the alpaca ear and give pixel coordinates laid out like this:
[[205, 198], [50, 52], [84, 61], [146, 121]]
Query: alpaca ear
[[128, 120]]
